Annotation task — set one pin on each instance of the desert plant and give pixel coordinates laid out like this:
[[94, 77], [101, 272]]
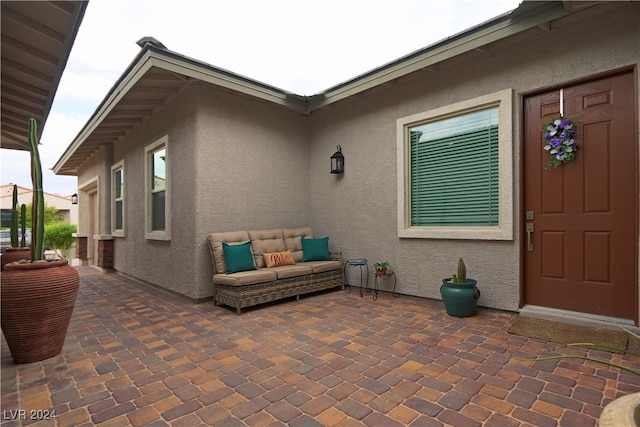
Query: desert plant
[[13, 232], [37, 209], [459, 294], [23, 225], [461, 275], [17, 218]]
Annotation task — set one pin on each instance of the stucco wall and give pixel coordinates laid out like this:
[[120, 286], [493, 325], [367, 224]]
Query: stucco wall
[[92, 175], [169, 264], [239, 163], [235, 164], [252, 164], [358, 210]]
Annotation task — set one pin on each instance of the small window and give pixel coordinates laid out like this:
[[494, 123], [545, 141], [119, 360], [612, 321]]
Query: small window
[[157, 190], [117, 199], [455, 170]]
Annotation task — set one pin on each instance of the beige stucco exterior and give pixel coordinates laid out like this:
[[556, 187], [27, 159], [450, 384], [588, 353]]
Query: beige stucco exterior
[[239, 162], [365, 211], [235, 164]]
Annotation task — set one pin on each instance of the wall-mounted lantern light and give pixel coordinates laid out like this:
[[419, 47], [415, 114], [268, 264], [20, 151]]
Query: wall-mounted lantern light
[[74, 199], [337, 161]]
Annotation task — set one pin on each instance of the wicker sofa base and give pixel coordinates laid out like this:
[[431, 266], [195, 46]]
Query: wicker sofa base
[[241, 296]]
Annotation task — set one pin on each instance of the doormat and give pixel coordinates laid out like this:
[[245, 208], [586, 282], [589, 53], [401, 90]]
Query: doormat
[[568, 334]]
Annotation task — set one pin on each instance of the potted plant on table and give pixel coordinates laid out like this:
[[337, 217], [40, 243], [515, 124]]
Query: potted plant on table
[[460, 294], [38, 296], [381, 268], [18, 249]]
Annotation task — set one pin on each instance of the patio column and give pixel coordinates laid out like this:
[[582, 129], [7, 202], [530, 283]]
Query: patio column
[[105, 251], [82, 242]]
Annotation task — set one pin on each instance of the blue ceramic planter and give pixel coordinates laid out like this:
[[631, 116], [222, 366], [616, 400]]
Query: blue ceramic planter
[[460, 299]]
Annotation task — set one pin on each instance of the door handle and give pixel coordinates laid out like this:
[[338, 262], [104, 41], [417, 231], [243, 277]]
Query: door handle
[[529, 230]]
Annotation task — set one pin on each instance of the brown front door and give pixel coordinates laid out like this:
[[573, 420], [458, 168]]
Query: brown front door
[[583, 251]]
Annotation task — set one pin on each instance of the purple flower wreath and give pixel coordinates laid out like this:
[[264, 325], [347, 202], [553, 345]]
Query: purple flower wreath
[[559, 136]]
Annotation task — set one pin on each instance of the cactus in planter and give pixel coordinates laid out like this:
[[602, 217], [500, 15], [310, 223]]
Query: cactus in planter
[[17, 250], [16, 242], [37, 213], [460, 294], [461, 275], [13, 232], [23, 225], [38, 297]]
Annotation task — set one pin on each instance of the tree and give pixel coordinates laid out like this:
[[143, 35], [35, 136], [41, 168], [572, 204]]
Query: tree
[[50, 215]]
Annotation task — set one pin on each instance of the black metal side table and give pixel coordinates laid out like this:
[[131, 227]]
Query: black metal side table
[[362, 264], [390, 273]]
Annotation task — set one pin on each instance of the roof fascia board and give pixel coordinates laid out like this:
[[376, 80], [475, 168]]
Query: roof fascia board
[[116, 94], [154, 58], [227, 81], [527, 15], [432, 56]]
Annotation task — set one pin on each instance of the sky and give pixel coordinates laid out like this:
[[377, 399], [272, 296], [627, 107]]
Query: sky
[[300, 46]]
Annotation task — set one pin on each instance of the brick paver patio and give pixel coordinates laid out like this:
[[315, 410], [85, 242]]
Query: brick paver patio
[[138, 356]]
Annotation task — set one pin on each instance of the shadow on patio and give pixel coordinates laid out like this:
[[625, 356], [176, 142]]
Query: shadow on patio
[[138, 356]]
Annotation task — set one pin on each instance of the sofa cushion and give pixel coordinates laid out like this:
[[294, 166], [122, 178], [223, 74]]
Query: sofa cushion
[[292, 240], [315, 249], [266, 241], [215, 246], [274, 259], [297, 270], [238, 257], [245, 277], [323, 266]]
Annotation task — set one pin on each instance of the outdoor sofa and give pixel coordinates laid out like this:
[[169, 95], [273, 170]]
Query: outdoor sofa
[[259, 266]]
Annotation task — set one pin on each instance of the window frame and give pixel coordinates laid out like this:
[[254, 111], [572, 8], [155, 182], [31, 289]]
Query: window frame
[[149, 151], [504, 230], [116, 232]]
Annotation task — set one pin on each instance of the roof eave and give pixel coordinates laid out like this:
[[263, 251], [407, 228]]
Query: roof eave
[[527, 15], [15, 138], [63, 64], [164, 59]]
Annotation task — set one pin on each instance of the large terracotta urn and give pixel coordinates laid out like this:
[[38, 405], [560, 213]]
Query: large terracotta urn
[[14, 254], [37, 303]]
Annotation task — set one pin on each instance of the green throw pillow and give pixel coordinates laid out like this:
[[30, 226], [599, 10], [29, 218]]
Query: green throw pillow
[[315, 249], [238, 257]]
